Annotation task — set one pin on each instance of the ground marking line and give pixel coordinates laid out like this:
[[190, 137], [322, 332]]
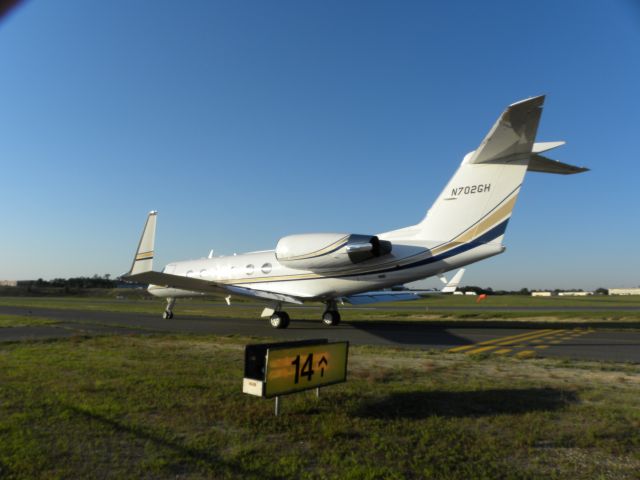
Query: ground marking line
[[539, 334], [509, 340], [487, 342], [501, 342], [526, 354], [481, 349], [502, 351]]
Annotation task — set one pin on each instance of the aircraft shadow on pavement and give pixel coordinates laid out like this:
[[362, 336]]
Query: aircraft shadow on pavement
[[500, 323], [410, 333], [424, 404]]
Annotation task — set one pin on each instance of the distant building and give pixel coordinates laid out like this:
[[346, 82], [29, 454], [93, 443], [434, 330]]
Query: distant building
[[624, 291], [575, 294], [540, 294], [8, 283], [470, 293]]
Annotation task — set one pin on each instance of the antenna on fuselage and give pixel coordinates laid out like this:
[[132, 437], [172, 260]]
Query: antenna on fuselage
[[210, 254]]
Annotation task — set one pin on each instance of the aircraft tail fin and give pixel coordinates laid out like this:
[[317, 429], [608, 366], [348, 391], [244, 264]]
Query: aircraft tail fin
[[476, 204], [513, 133], [143, 260]]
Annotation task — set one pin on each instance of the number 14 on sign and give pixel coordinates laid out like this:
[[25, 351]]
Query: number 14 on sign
[[307, 367]]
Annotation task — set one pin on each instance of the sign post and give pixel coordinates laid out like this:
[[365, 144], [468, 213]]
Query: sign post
[[276, 369]]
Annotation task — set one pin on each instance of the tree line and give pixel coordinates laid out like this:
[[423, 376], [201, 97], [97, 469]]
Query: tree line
[[526, 291], [96, 281]]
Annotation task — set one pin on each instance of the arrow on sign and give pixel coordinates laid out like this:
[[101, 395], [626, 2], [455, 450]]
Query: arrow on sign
[[322, 363]]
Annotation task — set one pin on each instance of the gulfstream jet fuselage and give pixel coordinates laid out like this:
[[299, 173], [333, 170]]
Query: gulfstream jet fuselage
[[466, 224]]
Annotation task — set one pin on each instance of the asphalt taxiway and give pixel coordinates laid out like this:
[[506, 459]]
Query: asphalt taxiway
[[569, 342]]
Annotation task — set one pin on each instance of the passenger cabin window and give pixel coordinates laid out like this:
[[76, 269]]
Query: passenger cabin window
[[203, 273], [249, 269], [190, 273], [266, 268]]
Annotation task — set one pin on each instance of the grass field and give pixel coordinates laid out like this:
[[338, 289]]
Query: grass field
[[172, 407], [23, 321]]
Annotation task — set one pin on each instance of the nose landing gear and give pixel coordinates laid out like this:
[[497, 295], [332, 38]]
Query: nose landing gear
[[168, 311], [280, 320], [277, 318]]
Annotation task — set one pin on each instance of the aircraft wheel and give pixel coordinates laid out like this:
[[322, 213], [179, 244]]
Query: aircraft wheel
[[287, 319], [167, 315], [279, 320], [331, 318]]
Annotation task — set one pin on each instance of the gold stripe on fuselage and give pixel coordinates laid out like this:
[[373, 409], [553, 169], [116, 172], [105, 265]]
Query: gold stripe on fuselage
[[479, 229], [494, 218]]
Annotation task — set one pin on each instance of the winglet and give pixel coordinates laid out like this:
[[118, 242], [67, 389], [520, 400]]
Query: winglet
[[454, 282], [143, 261]]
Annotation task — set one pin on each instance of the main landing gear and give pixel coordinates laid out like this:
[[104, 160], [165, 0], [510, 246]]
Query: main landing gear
[[280, 319], [168, 311], [331, 315]]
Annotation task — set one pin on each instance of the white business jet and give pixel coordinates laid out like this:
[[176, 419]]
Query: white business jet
[[466, 224]]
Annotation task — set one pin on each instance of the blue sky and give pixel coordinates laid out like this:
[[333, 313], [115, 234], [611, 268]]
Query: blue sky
[[244, 121]]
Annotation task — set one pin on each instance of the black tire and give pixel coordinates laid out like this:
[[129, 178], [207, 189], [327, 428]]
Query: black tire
[[331, 318], [167, 315], [287, 319], [279, 320]]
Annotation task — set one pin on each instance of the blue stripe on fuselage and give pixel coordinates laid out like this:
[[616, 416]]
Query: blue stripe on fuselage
[[492, 234]]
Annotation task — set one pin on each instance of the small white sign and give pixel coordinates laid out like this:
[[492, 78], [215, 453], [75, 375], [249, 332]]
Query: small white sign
[[252, 387]]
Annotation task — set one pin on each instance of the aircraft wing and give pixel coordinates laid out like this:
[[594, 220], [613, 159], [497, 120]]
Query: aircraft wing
[[142, 272], [403, 295], [204, 286]]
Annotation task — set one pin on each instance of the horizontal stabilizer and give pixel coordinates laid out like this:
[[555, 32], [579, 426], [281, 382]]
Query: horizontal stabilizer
[[538, 163], [540, 147]]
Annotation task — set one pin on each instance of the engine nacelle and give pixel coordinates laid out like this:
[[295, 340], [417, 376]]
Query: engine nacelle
[[321, 251]]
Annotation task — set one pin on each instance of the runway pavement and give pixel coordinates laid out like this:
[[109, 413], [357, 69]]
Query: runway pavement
[[577, 343]]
